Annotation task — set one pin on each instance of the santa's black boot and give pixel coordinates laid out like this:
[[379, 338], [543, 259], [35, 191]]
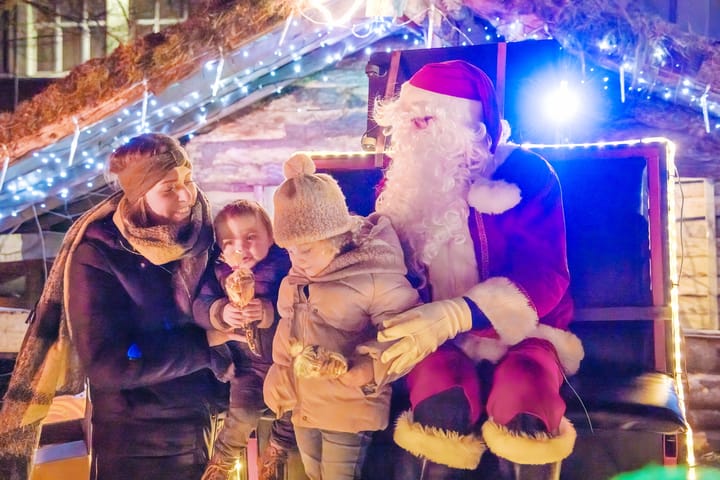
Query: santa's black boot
[[410, 467], [407, 466], [528, 426], [547, 471], [437, 471], [438, 435]]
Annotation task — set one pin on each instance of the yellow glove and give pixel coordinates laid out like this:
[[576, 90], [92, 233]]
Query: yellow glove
[[420, 331]]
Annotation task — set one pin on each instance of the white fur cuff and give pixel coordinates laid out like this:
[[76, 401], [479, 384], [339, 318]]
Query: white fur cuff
[[437, 445], [507, 308]]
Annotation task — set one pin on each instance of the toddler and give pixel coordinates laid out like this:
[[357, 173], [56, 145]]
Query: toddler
[[347, 276], [237, 301]]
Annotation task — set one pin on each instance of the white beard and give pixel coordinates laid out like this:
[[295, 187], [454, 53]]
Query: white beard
[[426, 187]]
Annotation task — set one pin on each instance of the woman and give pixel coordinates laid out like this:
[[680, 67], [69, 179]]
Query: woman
[[125, 278], [147, 363]]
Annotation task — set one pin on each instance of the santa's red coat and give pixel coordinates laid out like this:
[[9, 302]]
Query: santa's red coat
[[517, 227]]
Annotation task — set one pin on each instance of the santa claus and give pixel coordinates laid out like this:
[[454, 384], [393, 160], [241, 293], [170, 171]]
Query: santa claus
[[483, 228]]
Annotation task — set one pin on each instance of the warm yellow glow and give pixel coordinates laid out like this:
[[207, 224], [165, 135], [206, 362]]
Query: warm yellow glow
[[237, 468], [331, 154], [617, 143], [342, 19], [678, 359]]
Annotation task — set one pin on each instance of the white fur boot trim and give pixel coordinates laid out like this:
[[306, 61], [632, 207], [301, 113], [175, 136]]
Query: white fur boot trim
[[530, 450], [438, 445]]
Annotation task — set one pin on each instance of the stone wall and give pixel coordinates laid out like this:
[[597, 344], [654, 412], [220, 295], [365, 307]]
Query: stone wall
[[696, 253], [697, 256], [703, 366], [242, 155]]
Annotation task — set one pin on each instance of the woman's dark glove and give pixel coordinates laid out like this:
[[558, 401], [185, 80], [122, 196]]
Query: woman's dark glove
[[221, 362]]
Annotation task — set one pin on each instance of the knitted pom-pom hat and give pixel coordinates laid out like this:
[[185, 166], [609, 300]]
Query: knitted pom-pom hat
[[309, 206]]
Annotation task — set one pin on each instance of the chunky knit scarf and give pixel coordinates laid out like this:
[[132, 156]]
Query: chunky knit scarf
[[48, 364], [162, 244]]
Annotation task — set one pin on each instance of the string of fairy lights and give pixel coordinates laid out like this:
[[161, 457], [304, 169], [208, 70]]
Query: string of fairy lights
[[306, 43], [303, 45], [74, 166], [667, 260]]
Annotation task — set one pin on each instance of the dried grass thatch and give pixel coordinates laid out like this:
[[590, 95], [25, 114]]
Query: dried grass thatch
[[100, 86]]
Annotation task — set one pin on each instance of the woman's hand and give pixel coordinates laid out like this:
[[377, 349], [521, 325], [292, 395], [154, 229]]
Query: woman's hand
[[221, 363], [360, 373]]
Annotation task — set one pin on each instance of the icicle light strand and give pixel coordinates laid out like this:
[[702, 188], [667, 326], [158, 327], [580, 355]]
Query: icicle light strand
[[74, 143], [6, 163]]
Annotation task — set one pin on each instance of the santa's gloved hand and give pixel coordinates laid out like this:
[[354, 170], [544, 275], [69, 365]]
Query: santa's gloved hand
[[420, 331]]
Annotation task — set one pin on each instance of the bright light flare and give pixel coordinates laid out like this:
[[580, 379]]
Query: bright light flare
[[562, 104]]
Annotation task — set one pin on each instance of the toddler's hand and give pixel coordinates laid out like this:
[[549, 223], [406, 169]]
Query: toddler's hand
[[240, 317], [361, 373], [314, 361]]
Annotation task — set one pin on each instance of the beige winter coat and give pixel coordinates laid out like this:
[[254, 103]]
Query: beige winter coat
[[339, 310]]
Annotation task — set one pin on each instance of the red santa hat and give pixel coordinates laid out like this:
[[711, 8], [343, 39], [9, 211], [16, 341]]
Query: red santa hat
[[460, 79]]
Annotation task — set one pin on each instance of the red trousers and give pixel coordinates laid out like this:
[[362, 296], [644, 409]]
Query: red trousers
[[526, 380]]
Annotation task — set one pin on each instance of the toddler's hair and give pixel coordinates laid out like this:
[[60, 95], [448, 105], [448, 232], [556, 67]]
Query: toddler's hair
[[244, 207], [343, 242]]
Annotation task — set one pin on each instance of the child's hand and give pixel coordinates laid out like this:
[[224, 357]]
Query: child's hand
[[361, 373], [314, 361], [239, 317]]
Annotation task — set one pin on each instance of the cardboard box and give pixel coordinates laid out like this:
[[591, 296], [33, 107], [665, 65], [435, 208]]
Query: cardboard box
[[63, 453], [62, 461]]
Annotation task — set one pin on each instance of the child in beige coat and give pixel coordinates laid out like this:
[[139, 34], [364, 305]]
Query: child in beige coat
[[347, 276]]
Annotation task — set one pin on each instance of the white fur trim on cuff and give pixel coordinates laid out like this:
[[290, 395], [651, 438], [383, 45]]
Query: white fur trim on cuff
[[479, 348], [507, 308], [568, 346], [530, 450], [437, 445], [493, 196]]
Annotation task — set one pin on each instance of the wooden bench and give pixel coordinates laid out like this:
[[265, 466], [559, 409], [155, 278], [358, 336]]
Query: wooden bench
[[624, 401]]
